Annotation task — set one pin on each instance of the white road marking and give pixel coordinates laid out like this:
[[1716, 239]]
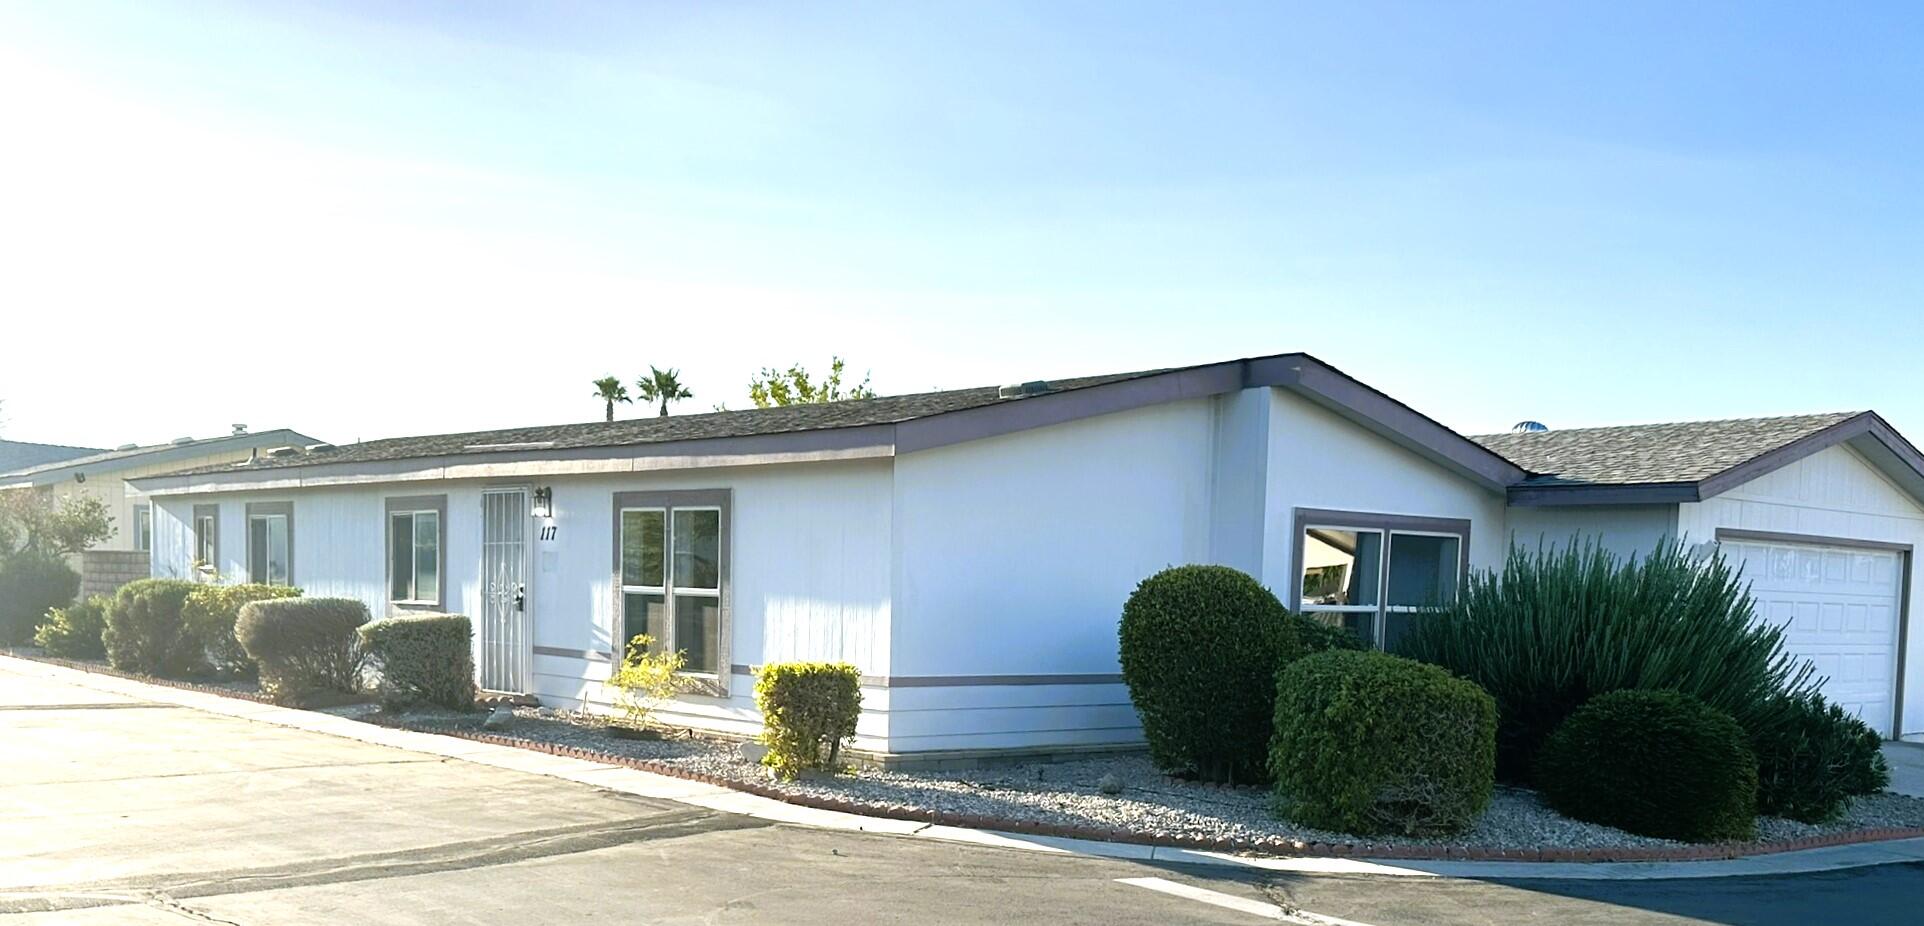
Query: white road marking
[[1268, 911]]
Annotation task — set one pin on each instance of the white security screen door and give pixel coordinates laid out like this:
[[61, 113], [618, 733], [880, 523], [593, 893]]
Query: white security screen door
[[504, 632]]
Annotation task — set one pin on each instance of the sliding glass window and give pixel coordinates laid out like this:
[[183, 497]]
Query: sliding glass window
[[1374, 574]]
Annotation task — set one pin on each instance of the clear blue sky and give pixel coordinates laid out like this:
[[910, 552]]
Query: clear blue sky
[[368, 219]]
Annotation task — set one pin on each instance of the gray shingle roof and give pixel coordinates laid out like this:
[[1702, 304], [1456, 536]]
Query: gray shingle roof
[[152, 453], [638, 431], [18, 455], [1681, 452]]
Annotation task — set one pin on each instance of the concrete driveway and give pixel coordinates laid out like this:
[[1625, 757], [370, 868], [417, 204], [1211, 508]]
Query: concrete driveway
[[1907, 767], [119, 810]]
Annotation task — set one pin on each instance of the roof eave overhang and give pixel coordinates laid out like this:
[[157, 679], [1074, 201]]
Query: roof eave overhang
[[858, 443], [1376, 411], [1644, 493], [1299, 373]]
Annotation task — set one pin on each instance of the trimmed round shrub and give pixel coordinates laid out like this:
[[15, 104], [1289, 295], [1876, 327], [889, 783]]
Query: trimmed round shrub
[[145, 632], [308, 649], [1559, 626], [73, 632], [1374, 744], [1654, 763], [1315, 636], [31, 583], [809, 710], [423, 658], [210, 612], [1814, 759], [1199, 651]]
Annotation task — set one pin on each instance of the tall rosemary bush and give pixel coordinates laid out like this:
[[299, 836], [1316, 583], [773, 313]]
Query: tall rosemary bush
[[1558, 626]]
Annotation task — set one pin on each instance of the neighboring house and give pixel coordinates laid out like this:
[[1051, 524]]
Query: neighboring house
[[18, 455], [970, 551], [104, 475]]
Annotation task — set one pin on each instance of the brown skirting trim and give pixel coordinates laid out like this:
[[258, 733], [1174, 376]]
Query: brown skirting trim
[[585, 654], [969, 681]]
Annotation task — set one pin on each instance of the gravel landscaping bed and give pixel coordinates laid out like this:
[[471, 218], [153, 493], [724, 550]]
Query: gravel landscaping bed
[[1150, 803]]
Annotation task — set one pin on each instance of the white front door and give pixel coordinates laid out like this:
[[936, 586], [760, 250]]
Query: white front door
[[504, 634], [1839, 609]]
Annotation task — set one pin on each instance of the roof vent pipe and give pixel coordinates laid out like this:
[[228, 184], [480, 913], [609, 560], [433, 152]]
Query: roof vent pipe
[[1528, 427], [1019, 390]]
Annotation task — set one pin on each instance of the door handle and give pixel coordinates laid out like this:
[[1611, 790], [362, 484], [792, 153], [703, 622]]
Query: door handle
[[521, 598]]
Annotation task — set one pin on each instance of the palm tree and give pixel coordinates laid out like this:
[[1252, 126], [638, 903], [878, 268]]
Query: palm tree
[[610, 390], [663, 386]]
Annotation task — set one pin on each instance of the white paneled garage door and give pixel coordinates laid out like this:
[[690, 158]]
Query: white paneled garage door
[[1840, 605]]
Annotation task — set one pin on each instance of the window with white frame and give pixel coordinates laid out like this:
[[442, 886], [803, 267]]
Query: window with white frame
[[414, 552], [671, 568], [144, 528], [1374, 574], [270, 543], [206, 537]]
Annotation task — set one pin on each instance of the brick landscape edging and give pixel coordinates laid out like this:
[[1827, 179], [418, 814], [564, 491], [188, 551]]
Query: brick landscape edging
[[1272, 847]]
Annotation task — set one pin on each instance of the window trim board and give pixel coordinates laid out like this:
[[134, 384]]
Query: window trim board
[[415, 504], [212, 514], [718, 683], [264, 510], [1388, 524]]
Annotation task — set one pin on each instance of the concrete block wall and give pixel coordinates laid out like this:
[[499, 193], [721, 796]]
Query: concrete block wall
[[103, 572]]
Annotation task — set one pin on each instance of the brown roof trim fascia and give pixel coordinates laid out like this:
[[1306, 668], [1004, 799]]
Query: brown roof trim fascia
[[1300, 373], [864, 441], [1867, 433], [1641, 493], [1350, 397]]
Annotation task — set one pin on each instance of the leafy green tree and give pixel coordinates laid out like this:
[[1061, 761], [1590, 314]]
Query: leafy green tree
[[610, 390], [31, 520], [662, 387], [796, 387]]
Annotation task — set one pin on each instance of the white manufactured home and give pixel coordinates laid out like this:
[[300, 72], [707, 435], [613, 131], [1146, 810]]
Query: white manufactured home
[[970, 550]]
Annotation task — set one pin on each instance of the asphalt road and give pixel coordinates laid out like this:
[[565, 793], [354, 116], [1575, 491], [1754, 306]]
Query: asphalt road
[[120, 811]]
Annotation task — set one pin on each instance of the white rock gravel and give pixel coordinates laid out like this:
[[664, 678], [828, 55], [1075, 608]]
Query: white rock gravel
[[1149, 802]]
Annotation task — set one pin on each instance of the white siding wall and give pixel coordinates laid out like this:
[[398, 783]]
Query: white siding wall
[[809, 569], [1626, 531], [810, 580], [1833, 493], [942, 570], [1013, 558], [1318, 459]]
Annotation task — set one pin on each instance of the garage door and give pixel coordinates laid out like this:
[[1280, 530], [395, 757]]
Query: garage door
[[1839, 606]]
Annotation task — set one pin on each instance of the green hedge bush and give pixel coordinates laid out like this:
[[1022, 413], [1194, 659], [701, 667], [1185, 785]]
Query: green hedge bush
[[73, 632], [1814, 759], [1655, 763], [423, 658], [307, 648], [808, 710], [1557, 627], [1316, 636], [210, 612], [31, 584], [1199, 650], [1373, 744], [145, 632]]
